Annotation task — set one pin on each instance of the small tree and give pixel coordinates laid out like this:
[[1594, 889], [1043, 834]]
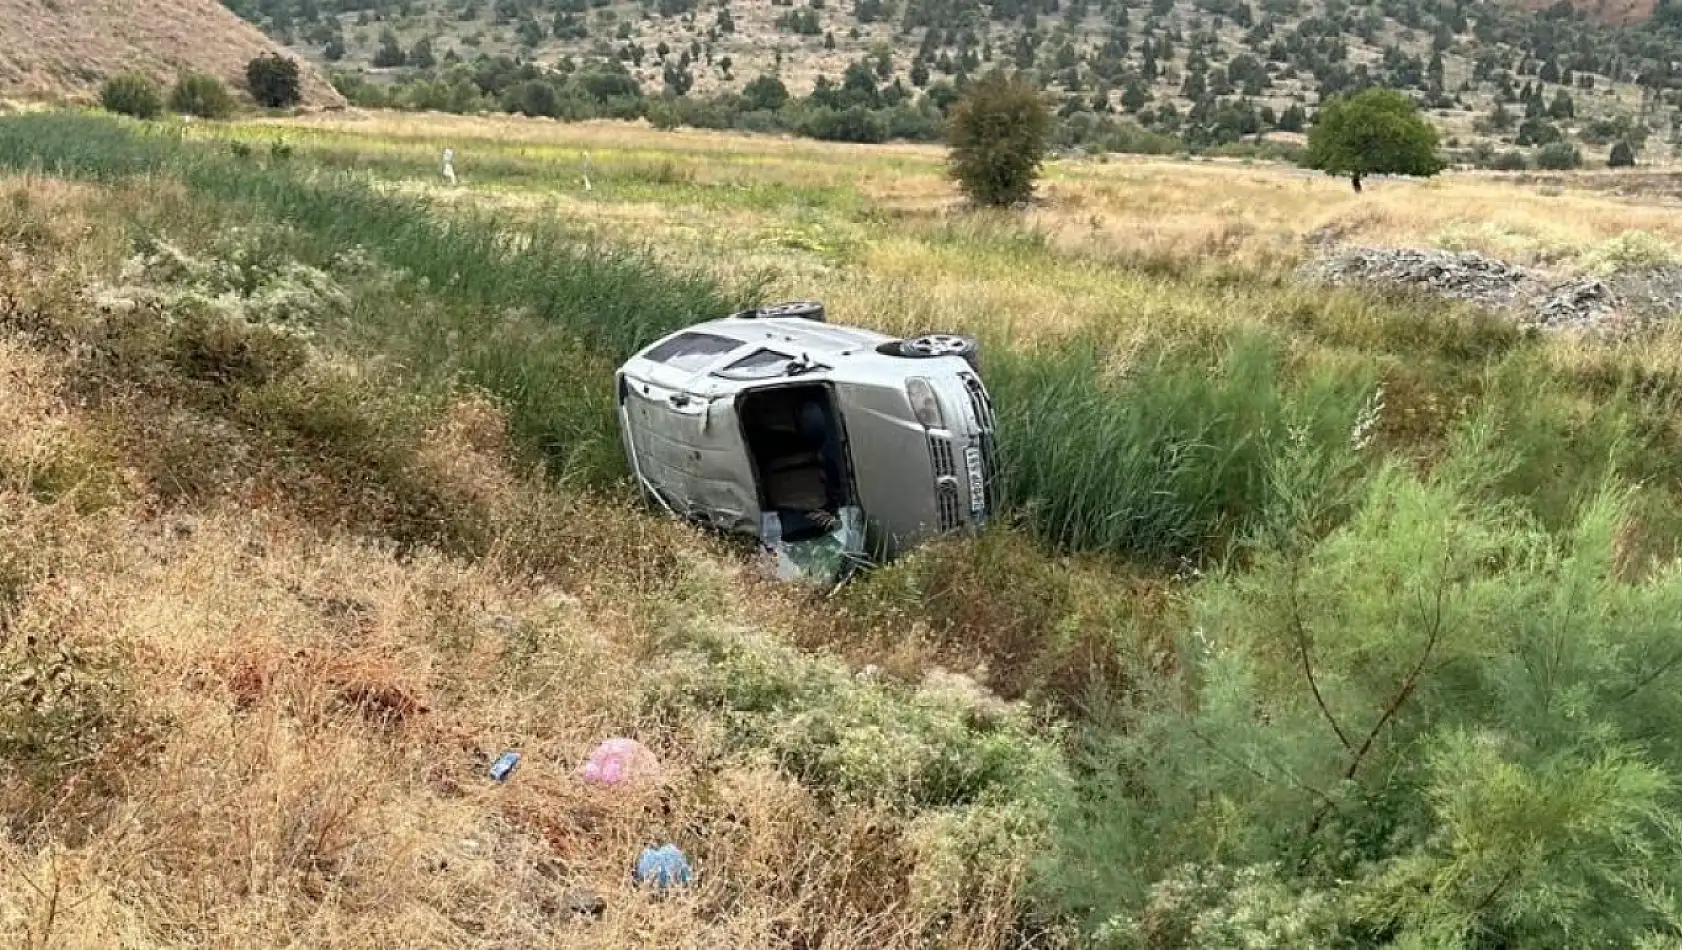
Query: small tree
[[1558, 156], [1377, 132], [201, 94], [998, 134], [131, 94], [273, 81], [1622, 155], [1562, 106], [765, 93]]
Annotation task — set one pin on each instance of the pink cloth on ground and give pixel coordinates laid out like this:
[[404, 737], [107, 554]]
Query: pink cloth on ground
[[616, 760]]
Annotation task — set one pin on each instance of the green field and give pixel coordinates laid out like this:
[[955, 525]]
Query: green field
[[1320, 619]]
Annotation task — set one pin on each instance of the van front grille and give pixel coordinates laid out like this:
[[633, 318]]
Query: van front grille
[[945, 482], [985, 423], [951, 509], [940, 453]]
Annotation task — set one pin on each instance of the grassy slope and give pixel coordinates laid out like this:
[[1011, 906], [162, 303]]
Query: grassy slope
[[286, 603], [364, 528], [64, 49]]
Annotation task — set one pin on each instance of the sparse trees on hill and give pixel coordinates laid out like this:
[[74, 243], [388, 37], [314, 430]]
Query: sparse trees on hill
[[1376, 132], [390, 54], [998, 134], [274, 81]]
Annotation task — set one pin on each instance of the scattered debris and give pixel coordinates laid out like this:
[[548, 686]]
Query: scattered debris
[[584, 902], [618, 760], [505, 765], [664, 867]]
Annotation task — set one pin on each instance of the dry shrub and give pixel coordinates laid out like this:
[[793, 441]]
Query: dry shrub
[[1026, 626]]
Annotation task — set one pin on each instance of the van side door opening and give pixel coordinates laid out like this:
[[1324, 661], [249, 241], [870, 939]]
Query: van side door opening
[[798, 450]]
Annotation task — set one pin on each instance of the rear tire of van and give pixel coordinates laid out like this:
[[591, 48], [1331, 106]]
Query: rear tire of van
[[932, 345]]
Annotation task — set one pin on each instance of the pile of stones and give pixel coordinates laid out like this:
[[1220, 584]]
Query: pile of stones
[[1532, 296]]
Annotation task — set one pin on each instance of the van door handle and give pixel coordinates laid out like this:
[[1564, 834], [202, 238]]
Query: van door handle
[[679, 399]]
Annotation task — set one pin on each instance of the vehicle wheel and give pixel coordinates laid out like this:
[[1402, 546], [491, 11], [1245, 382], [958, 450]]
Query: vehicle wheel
[[801, 309], [931, 345]]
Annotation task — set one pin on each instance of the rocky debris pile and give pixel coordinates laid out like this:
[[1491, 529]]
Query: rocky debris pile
[[1589, 303], [1465, 276], [1535, 297]]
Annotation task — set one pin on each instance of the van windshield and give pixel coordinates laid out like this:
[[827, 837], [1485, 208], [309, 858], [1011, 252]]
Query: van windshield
[[692, 351]]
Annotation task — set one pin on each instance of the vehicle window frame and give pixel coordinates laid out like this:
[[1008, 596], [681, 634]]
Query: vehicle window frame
[[734, 370]]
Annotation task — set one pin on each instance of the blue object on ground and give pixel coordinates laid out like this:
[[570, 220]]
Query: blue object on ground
[[504, 765], [664, 866]]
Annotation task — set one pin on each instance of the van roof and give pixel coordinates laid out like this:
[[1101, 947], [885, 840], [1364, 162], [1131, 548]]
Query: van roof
[[736, 353]]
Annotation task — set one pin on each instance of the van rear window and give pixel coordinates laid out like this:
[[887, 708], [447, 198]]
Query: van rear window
[[692, 351]]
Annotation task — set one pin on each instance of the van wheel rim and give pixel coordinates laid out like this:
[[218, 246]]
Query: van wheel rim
[[939, 344]]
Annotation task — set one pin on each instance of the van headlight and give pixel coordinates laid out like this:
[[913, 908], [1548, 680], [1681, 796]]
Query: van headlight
[[924, 405]]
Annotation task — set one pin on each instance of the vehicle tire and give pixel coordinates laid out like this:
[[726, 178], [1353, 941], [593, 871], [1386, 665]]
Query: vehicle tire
[[801, 309], [931, 345]]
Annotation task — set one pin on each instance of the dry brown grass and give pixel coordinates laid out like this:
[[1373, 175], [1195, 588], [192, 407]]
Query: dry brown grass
[[64, 49], [272, 726]]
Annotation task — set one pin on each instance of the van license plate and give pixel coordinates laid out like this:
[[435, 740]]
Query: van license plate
[[977, 483]]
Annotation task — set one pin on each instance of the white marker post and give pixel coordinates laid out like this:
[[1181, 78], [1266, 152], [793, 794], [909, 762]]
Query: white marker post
[[450, 165]]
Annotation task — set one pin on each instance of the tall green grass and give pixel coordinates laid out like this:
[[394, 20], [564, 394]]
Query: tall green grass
[[1166, 458]]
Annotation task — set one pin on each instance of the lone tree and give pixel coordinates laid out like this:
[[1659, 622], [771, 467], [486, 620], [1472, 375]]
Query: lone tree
[[998, 134], [1377, 132], [273, 81]]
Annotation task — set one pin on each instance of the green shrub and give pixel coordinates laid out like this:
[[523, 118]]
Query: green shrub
[[943, 744], [852, 124], [1559, 156], [1511, 160], [1456, 719], [274, 81], [997, 136], [131, 94], [1622, 155], [202, 95], [1629, 251]]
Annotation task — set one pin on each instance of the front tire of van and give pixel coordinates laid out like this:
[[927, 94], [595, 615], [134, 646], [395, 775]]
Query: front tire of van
[[933, 345]]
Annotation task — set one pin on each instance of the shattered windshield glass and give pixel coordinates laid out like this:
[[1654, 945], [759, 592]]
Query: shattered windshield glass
[[760, 364]]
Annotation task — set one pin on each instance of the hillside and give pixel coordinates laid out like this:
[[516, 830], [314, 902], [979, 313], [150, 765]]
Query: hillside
[[59, 49], [1128, 75], [1610, 12]]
